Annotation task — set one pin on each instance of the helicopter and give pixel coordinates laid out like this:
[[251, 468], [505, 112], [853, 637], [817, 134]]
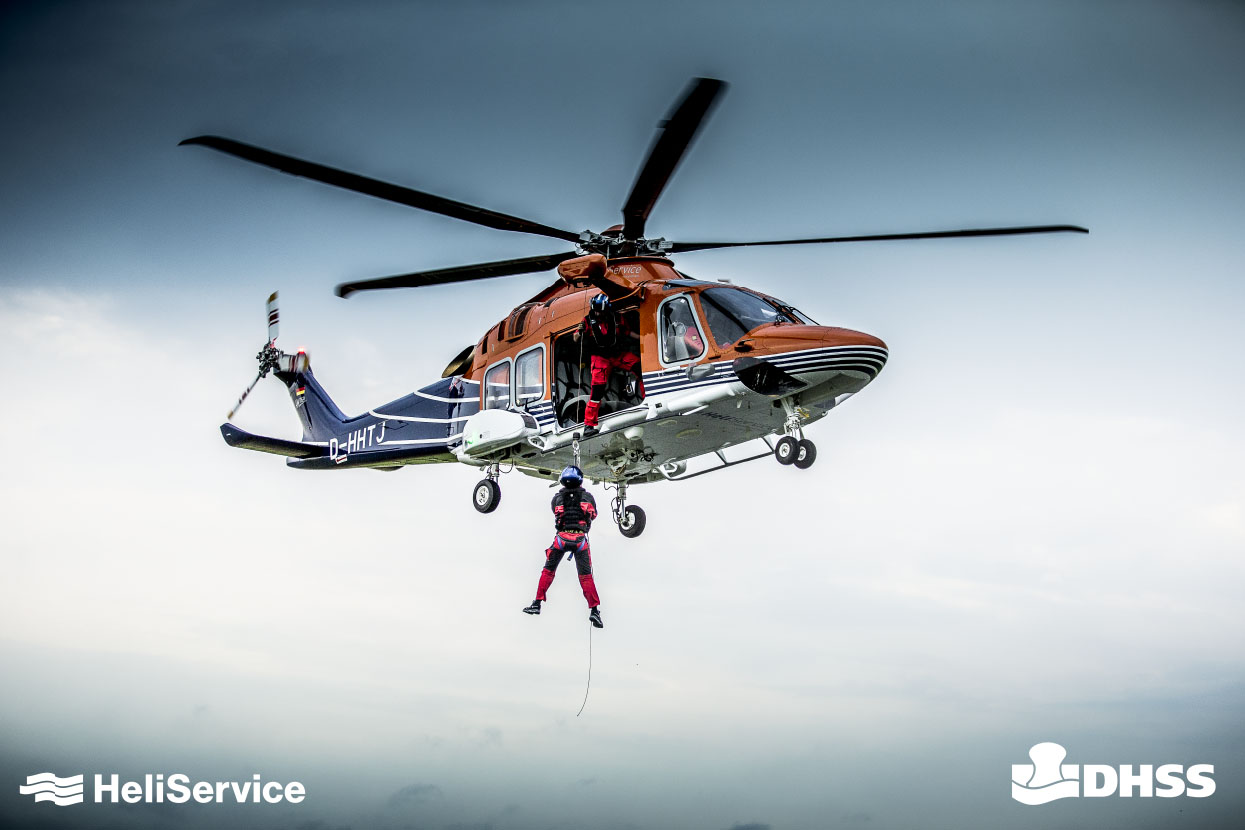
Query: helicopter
[[721, 366]]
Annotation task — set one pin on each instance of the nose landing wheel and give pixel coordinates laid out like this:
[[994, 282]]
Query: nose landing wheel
[[785, 450], [793, 447], [805, 454]]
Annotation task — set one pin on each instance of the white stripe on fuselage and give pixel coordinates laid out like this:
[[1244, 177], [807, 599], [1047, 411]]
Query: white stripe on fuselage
[[472, 399], [667, 382], [415, 420], [662, 383], [872, 353]]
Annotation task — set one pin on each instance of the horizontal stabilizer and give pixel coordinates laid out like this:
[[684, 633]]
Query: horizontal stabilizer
[[235, 437]]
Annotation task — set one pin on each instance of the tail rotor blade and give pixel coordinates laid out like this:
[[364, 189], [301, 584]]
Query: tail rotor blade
[[273, 318], [270, 356], [238, 405]]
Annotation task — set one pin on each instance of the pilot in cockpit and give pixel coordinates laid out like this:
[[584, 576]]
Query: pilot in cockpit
[[681, 336]]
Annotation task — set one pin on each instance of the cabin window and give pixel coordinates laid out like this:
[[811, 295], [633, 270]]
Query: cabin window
[[680, 336], [529, 376], [497, 387]]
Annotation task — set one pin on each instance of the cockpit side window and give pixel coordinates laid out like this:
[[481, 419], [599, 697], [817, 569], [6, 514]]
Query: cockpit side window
[[732, 313], [724, 328], [680, 336]]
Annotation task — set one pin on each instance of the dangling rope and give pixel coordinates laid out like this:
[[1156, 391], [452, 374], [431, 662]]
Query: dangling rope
[[589, 686], [579, 373], [575, 448], [579, 383]]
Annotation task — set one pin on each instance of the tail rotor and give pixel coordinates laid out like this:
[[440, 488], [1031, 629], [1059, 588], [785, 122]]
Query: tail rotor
[[270, 357]]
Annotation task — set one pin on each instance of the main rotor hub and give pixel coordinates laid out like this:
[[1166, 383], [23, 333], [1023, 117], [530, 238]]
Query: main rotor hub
[[611, 244]]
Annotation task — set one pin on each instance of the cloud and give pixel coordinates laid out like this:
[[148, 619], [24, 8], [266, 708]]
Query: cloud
[[490, 736], [414, 794], [752, 825], [1051, 459]]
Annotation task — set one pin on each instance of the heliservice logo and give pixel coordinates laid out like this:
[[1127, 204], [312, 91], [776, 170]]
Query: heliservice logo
[[46, 786], [158, 788], [1048, 779]]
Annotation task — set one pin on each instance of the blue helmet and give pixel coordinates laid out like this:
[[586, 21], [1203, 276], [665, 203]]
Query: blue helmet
[[600, 303], [572, 476]]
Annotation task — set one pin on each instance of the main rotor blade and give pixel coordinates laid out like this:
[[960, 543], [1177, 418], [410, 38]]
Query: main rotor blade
[[380, 190], [683, 247], [463, 273], [676, 135]]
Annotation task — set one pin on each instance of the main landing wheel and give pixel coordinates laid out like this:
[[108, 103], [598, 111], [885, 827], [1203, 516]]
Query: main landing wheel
[[486, 496], [785, 450], [805, 454], [632, 523]]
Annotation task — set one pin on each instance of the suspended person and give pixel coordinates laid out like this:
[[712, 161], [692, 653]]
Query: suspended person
[[574, 508], [611, 345]]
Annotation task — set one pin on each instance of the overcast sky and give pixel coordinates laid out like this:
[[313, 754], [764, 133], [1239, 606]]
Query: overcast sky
[[1029, 528]]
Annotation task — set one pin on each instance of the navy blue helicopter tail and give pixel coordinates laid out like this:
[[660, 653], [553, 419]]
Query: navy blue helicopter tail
[[321, 418]]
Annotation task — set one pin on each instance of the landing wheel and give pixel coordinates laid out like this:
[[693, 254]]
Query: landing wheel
[[805, 453], [785, 450], [632, 522], [486, 496]]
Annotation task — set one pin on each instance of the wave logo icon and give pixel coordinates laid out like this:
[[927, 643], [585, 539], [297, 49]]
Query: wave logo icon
[[45, 786], [1047, 778]]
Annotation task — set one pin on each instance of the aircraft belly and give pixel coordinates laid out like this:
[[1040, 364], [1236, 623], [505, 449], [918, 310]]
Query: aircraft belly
[[684, 417], [717, 426]]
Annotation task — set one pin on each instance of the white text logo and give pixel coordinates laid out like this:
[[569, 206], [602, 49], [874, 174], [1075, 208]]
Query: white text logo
[[157, 788], [178, 789], [1048, 779]]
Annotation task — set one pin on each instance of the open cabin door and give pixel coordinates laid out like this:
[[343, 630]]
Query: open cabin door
[[572, 378]]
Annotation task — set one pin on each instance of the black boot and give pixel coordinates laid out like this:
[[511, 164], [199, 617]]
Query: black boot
[[594, 617], [534, 608], [591, 431]]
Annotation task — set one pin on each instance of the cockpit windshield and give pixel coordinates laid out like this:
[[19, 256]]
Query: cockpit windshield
[[731, 313]]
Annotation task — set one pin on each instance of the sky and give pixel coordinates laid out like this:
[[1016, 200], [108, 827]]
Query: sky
[[1029, 528]]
